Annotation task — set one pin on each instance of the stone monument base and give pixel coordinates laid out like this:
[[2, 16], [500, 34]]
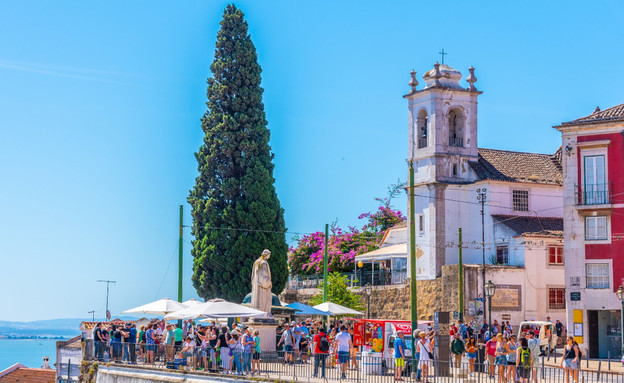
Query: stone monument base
[[266, 329]]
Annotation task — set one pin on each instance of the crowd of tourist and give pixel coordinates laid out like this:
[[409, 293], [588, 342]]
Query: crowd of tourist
[[237, 349]]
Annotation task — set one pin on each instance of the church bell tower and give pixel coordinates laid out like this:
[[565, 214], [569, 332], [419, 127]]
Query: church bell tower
[[443, 126]]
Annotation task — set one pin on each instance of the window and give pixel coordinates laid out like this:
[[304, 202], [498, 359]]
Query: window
[[596, 228], [502, 255], [421, 125], [454, 170], [421, 223], [456, 127], [595, 187], [520, 200], [556, 299], [597, 275], [555, 255]]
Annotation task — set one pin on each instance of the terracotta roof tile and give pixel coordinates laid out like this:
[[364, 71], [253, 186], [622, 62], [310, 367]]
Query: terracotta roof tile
[[503, 165], [613, 113], [29, 375], [529, 225]]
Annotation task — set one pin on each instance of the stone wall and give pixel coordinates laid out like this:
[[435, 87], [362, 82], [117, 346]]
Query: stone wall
[[393, 302]]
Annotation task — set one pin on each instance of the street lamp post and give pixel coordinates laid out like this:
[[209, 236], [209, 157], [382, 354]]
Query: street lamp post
[[620, 295], [369, 290], [490, 289]]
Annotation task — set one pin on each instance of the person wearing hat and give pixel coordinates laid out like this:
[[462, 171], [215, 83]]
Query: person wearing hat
[[288, 338], [399, 356]]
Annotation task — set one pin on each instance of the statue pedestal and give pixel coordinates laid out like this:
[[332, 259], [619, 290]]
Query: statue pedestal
[[266, 329]]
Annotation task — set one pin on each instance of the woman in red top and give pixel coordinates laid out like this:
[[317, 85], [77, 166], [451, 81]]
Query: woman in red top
[[319, 356], [490, 351]]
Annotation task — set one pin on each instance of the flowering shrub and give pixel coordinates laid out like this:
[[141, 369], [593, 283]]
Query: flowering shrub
[[343, 245]]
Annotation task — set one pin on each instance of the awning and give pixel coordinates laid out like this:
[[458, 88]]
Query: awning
[[388, 252]]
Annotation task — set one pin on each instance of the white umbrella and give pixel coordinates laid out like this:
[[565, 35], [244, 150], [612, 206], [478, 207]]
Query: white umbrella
[[215, 308], [336, 309], [191, 303], [160, 307]]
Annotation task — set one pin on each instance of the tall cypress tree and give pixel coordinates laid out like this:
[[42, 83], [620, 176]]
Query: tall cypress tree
[[236, 212]]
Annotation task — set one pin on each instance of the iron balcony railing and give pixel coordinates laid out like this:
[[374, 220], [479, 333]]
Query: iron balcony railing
[[456, 141], [592, 194], [354, 279]]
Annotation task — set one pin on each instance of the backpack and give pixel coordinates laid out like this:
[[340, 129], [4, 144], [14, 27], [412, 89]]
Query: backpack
[[525, 357], [324, 344]]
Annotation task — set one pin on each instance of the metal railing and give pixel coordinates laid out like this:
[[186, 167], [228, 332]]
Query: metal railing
[[422, 142], [456, 141], [587, 194], [354, 279], [304, 366]]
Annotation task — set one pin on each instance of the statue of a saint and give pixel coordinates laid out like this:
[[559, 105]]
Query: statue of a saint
[[261, 283]]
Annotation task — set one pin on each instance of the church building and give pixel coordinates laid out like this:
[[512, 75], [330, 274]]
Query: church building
[[508, 204]]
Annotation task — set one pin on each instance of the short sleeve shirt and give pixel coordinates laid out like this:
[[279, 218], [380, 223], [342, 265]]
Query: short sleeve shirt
[[287, 335], [343, 339], [398, 347], [148, 336], [178, 333]]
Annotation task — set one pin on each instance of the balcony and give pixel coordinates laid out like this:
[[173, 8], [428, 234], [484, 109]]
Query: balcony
[[591, 195], [422, 142], [456, 142]]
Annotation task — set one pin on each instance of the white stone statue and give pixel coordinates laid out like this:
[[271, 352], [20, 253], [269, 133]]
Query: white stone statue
[[261, 297]]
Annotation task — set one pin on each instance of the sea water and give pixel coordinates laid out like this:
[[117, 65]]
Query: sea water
[[29, 352]]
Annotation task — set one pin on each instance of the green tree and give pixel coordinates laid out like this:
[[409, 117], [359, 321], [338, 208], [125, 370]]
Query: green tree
[[236, 212], [339, 293]]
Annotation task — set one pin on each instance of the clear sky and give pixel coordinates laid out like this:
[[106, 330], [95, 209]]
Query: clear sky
[[100, 105]]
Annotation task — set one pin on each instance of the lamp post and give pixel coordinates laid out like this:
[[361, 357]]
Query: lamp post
[[369, 290], [490, 289], [360, 264], [620, 295]]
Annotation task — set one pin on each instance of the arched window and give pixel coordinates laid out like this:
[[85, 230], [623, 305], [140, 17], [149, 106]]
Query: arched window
[[456, 128], [421, 133]]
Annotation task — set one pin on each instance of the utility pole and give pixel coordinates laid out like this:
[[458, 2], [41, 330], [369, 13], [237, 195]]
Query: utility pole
[[461, 278], [481, 196], [413, 297], [180, 257], [92, 312], [325, 254], [108, 314], [180, 261]]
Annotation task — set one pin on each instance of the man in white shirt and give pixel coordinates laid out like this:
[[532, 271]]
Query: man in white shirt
[[343, 345], [534, 347]]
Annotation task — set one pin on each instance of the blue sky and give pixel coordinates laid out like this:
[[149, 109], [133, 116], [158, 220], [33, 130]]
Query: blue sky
[[100, 105]]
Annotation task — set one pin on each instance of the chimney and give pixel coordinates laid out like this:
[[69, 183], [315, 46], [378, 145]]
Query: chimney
[[46, 362]]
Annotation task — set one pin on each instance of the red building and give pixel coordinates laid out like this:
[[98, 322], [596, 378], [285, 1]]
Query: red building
[[593, 173]]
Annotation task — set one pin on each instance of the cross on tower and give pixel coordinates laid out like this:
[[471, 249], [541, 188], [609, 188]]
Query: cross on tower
[[443, 54]]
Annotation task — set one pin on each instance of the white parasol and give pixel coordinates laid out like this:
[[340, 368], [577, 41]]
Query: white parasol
[[160, 307], [336, 309], [215, 308]]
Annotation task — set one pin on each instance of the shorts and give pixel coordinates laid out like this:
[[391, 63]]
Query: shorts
[[524, 372], [399, 362], [151, 347], [500, 360], [491, 359], [570, 363], [510, 363], [255, 356], [471, 355], [288, 348], [343, 357]]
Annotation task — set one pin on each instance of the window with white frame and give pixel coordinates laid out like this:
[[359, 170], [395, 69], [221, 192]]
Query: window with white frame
[[597, 275], [596, 228], [555, 255], [595, 189], [520, 200]]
